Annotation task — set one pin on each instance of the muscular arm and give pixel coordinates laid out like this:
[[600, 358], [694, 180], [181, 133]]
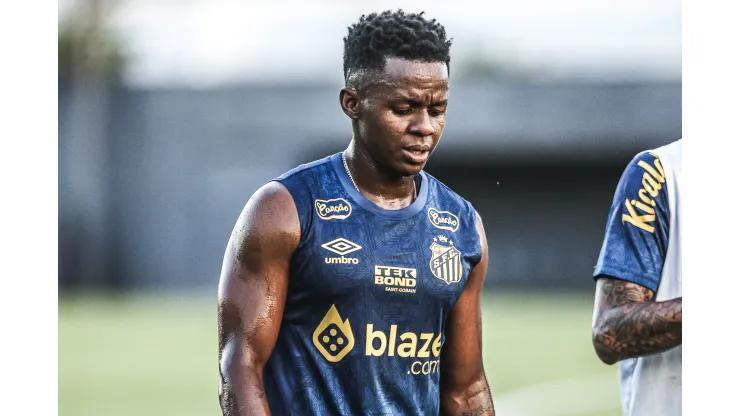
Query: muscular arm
[[251, 296], [464, 387], [628, 323]]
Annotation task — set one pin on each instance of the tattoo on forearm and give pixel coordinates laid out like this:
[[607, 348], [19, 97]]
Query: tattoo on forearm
[[478, 412], [619, 292], [259, 393], [229, 400], [481, 396], [632, 327]]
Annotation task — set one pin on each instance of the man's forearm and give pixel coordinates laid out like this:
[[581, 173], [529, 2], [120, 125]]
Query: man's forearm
[[474, 400], [243, 398], [636, 329], [241, 391]]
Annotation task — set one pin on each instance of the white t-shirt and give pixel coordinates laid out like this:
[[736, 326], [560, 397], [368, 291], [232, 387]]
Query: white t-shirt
[[642, 245]]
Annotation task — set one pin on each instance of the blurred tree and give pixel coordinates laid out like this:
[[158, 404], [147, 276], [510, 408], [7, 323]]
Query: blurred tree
[[88, 49], [91, 63]]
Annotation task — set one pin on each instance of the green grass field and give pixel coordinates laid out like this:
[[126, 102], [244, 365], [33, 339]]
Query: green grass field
[[157, 355]]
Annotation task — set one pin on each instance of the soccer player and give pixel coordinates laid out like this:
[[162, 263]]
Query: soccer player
[[637, 311], [351, 285]]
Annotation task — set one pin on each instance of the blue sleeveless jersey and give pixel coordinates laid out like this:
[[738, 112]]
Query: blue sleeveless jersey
[[369, 293]]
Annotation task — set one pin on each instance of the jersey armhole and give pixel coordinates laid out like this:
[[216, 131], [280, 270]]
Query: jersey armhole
[[478, 245]]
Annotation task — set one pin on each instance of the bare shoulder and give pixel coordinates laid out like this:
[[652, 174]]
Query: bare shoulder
[[271, 202], [269, 220]]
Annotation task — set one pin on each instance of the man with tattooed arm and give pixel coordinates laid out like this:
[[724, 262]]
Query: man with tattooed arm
[[637, 310]]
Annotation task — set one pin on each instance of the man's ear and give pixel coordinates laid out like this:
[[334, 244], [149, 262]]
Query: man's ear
[[350, 102]]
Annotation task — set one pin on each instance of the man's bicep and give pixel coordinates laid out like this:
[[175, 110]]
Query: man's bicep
[[636, 237], [462, 354], [254, 276]]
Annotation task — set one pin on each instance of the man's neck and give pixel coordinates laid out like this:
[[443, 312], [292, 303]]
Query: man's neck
[[385, 189]]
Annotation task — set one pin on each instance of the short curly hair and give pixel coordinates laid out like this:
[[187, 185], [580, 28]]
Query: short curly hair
[[378, 36]]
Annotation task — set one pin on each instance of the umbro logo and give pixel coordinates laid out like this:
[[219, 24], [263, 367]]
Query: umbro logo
[[341, 246]]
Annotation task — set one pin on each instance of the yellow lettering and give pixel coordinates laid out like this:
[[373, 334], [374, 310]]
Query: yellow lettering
[[379, 343], [412, 368], [437, 346], [424, 351], [378, 280], [425, 368], [650, 185], [658, 164], [392, 341], [643, 196], [407, 349], [370, 337], [643, 207], [639, 221], [660, 177]]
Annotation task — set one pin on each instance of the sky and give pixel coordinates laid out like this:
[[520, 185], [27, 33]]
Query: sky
[[211, 42]]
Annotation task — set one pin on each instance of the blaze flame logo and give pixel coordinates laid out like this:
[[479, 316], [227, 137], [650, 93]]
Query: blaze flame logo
[[333, 338]]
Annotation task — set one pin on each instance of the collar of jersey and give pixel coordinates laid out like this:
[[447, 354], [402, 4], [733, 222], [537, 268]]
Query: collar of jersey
[[365, 203]]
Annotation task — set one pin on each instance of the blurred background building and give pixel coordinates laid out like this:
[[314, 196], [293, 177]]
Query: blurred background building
[[172, 113]]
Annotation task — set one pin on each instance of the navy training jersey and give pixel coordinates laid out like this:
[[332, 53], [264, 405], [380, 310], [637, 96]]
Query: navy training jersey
[[636, 237], [369, 293]]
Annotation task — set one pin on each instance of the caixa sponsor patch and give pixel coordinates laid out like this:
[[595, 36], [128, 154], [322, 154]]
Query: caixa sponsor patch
[[333, 209]]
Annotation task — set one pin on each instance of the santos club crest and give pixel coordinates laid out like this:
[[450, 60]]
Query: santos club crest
[[446, 263]]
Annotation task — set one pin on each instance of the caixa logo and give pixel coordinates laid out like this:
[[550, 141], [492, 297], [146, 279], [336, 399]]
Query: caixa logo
[[333, 209]]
